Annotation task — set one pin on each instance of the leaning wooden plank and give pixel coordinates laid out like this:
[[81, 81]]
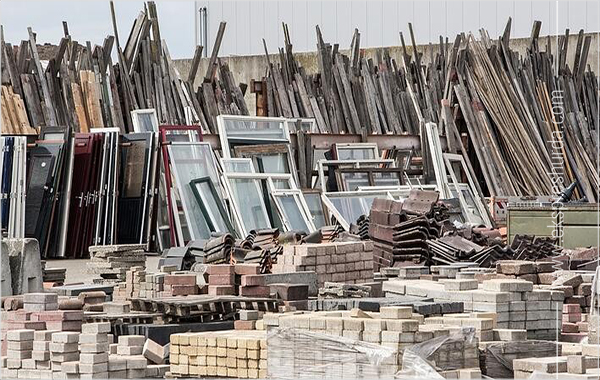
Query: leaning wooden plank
[[215, 53], [42, 78], [80, 108], [195, 63], [32, 100]]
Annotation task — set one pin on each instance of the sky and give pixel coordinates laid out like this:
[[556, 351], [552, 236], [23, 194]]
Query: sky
[[90, 20]]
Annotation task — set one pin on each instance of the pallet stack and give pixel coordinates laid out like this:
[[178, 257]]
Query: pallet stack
[[347, 262], [241, 354]]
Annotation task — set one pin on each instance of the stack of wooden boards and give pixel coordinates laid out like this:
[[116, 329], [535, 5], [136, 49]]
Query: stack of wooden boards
[[14, 117], [524, 116]]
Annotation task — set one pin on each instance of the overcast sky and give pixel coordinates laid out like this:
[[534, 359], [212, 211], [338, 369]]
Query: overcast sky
[[90, 20]]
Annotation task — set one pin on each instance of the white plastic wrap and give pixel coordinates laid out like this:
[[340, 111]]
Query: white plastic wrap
[[295, 353], [428, 359]]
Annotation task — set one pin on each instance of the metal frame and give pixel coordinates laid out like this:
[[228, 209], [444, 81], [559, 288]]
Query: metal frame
[[483, 211], [355, 146], [135, 114]]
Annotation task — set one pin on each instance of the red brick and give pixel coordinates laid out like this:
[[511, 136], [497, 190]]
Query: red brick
[[220, 269], [571, 308], [253, 280], [571, 317], [183, 290], [221, 279], [255, 291], [57, 315], [33, 325], [572, 337], [221, 290], [568, 327], [244, 325], [247, 269], [180, 279]]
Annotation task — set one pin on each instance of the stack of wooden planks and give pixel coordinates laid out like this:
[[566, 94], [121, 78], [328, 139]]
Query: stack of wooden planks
[[531, 120], [14, 117]]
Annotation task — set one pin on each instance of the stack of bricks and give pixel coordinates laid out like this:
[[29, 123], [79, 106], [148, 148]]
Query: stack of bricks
[[239, 279], [574, 328], [44, 308], [571, 367], [247, 319], [129, 360], [41, 349], [346, 262], [496, 358], [19, 345], [298, 353], [93, 347], [153, 286], [237, 354], [252, 283], [180, 284], [577, 287], [64, 348], [294, 296], [17, 320], [516, 303], [221, 280], [111, 262]]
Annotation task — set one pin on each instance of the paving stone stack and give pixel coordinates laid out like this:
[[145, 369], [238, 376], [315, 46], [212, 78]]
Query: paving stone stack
[[496, 358], [44, 308], [346, 262], [111, 262], [180, 284], [574, 327], [237, 354], [298, 353], [19, 344], [571, 367], [516, 303], [64, 347]]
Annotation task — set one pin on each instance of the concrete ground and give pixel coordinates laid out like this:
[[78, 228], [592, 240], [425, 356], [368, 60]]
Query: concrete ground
[[77, 269]]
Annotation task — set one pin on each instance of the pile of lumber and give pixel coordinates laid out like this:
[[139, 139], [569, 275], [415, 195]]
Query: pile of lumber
[[476, 86], [14, 117]]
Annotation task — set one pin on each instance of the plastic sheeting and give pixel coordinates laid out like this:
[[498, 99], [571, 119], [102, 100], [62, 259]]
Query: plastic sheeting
[[426, 360], [295, 353]]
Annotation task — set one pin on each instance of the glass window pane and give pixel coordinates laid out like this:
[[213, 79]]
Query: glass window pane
[[247, 196], [353, 180], [272, 163], [356, 154], [352, 207], [237, 166], [189, 162], [212, 207], [316, 209], [292, 213], [241, 130]]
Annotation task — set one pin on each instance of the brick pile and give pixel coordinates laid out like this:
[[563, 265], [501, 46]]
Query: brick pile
[[574, 327], [347, 262], [237, 354], [111, 262], [140, 284], [571, 366], [44, 308], [515, 302], [73, 355], [394, 327]]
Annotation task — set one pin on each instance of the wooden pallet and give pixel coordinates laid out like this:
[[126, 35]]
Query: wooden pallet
[[135, 318], [202, 306]]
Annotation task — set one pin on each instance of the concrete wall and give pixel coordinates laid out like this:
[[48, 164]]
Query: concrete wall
[[246, 68]]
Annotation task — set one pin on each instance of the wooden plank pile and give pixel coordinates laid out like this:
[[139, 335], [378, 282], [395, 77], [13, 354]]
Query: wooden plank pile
[[525, 117]]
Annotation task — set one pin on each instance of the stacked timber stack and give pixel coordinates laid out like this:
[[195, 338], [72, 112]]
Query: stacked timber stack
[[14, 116]]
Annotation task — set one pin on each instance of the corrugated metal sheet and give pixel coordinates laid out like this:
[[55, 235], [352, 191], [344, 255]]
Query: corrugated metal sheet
[[381, 21]]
